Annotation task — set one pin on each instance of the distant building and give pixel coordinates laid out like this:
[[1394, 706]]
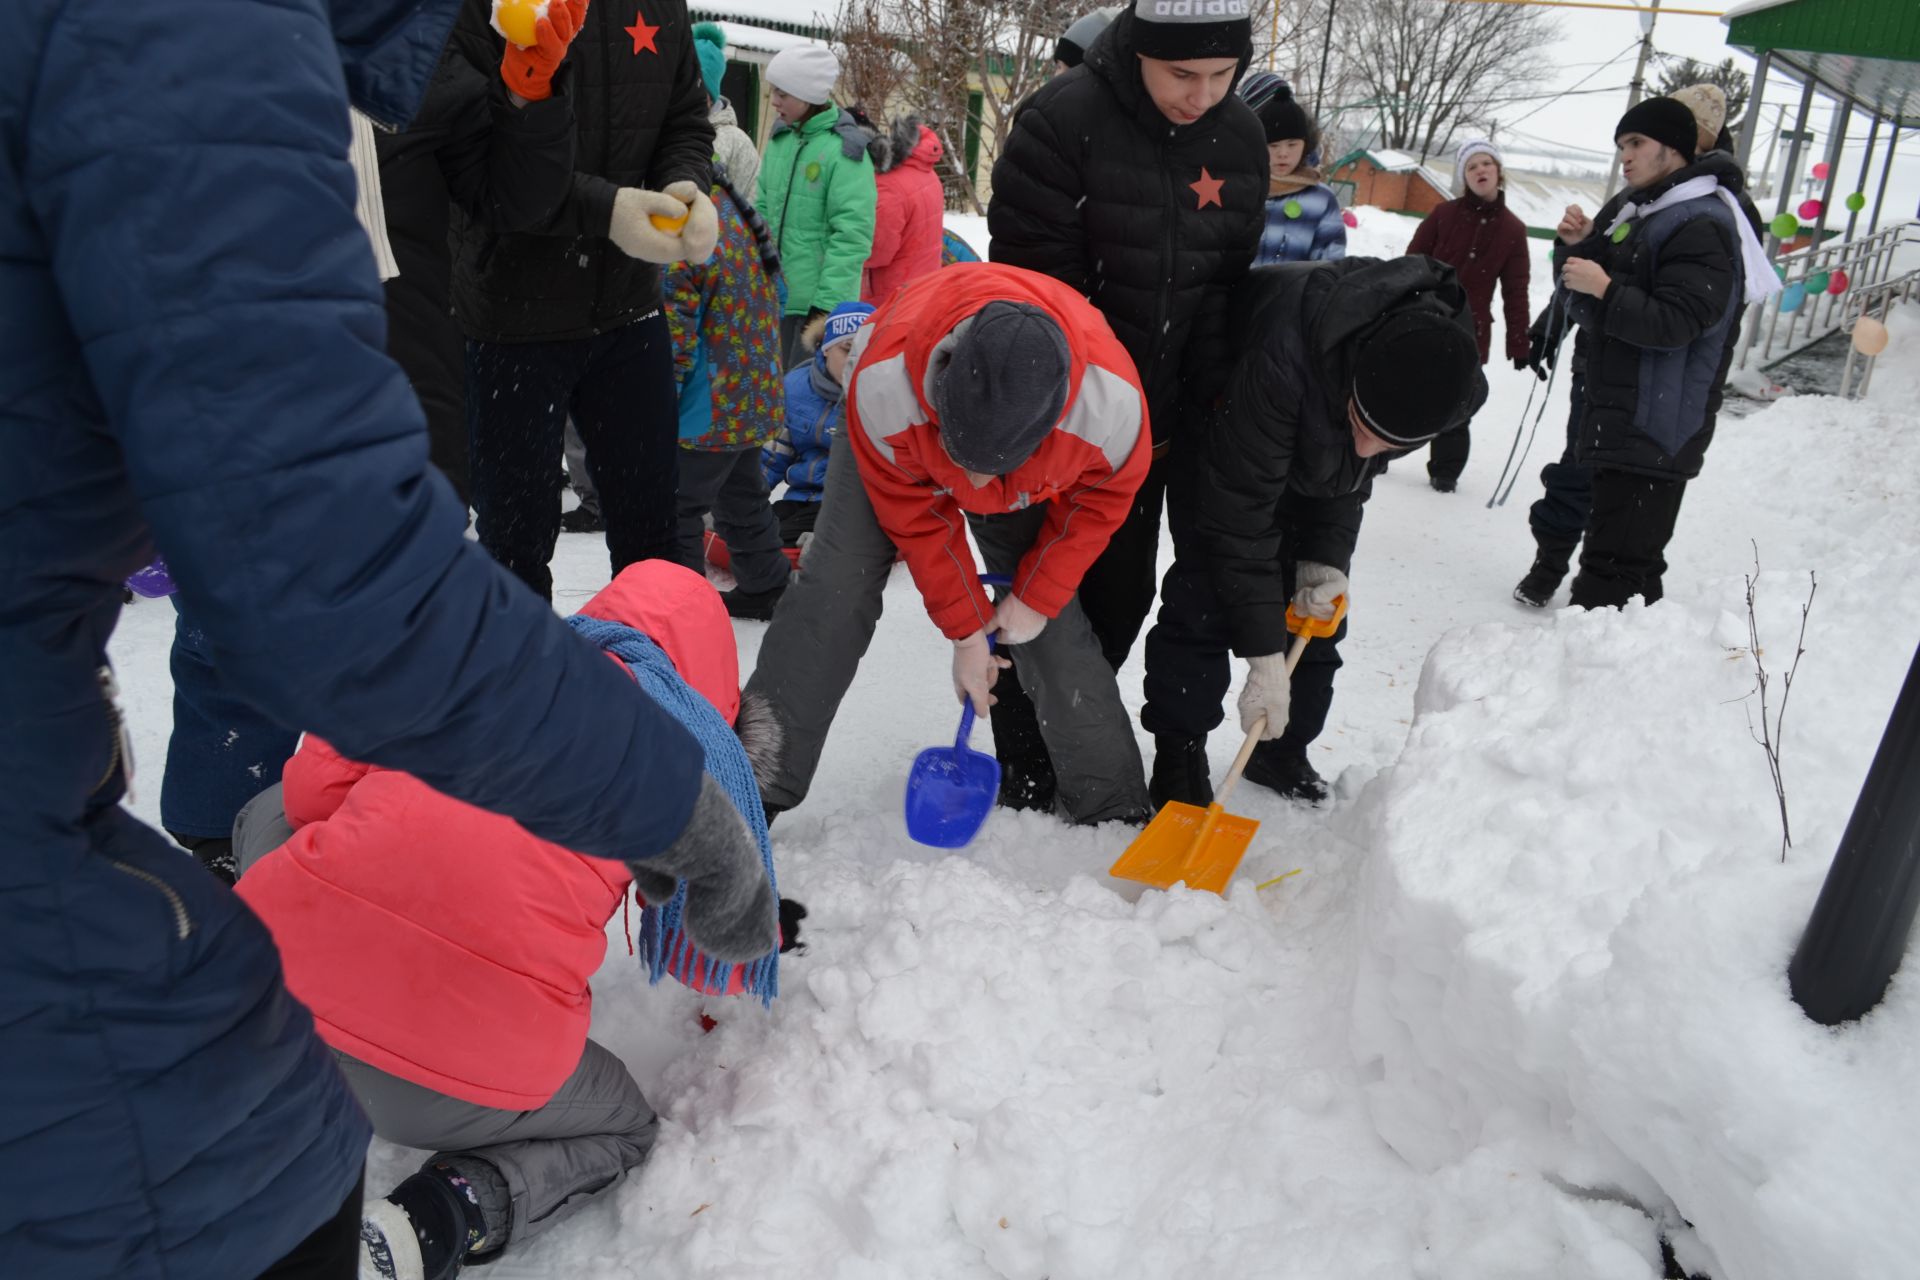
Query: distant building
[[1402, 183]]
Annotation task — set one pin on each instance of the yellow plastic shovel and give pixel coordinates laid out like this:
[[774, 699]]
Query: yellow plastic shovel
[[1204, 846]]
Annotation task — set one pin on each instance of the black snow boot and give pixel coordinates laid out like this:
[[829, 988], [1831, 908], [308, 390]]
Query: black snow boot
[[583, 519], [1537, 588], [1285, 769], [753, 606], [460, 1213], [1180, 771]]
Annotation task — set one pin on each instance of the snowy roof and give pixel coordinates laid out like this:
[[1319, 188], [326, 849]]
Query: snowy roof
[[761, 39], [1395, 161], [806, 13], [1751, 6]]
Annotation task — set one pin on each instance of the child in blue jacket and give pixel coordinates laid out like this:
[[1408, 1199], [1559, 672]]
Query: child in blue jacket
[[797, 456], [1304, 222]]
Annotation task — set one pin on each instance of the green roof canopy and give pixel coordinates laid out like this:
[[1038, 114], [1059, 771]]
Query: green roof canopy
[[1868, 50]]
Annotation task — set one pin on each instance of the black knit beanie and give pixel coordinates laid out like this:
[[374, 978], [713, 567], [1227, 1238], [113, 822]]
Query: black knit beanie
[[1664, 120], [1413, 377], [1179, 30], [1281, 115], [1002, 387]]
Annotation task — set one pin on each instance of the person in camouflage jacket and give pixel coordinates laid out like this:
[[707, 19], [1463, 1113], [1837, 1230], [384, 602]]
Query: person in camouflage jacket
[[724, 317]]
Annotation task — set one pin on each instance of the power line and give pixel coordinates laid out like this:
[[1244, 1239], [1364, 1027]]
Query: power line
[[1574, 88]]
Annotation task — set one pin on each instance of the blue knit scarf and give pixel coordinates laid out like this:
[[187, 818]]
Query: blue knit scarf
[[664, 945]]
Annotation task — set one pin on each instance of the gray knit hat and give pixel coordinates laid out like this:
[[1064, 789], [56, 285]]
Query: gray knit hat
[[999, 384], [1182, 30]]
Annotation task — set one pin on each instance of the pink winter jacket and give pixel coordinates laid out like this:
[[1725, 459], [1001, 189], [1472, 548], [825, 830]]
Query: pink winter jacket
[[442, 943], [907, 228]]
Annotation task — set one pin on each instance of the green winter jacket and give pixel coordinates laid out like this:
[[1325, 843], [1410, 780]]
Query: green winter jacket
[[817, 195]]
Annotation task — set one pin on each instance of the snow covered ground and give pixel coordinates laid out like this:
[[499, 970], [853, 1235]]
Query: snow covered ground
[[1523, 1008]]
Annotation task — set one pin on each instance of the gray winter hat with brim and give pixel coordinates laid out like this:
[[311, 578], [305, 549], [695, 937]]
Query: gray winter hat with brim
[[1181, 30], [999, 384]]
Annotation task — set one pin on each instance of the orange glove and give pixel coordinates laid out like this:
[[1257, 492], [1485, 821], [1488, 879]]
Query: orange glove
[[529, 71]]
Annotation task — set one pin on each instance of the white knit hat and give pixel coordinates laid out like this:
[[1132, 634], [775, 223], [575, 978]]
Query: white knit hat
[[1468, 150], [805, 71]]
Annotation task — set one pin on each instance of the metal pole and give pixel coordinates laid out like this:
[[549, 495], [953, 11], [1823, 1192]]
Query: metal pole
[[1866, 166], [1858, 931], [1751, 125], [1893, 141], [1793, 148], [1634, 90], [1842, 117], [1326, 47]]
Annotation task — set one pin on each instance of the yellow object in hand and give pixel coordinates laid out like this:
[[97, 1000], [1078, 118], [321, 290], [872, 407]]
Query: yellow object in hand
[[665, 223], [515, 20]]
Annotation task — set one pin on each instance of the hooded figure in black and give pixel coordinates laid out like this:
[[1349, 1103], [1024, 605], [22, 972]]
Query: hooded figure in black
[[1337, 366], [1139, 178], [1558, 518]]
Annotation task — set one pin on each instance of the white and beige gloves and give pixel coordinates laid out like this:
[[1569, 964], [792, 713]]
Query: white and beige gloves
[[636, 232], [1268, 692], [1316, 587]]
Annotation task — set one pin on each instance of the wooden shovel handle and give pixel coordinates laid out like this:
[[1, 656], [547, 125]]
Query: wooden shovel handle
[[1259, 727]]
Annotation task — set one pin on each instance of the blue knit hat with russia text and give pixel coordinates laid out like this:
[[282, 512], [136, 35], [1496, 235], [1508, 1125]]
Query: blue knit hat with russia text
[[843, 322]]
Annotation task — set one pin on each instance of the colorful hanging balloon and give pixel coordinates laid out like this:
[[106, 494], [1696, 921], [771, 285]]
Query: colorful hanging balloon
[[1869, 336], [1857, 201], [1347, 216], [1780, 269], [1792, 296], [1838, 282], [1784, 226], [1821, 170], [1809, 210], [1817, 282]]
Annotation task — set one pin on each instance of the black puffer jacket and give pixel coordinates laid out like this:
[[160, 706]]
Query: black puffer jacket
[[641, 112], [1655, 350], [1097, 189], [1277, 468]]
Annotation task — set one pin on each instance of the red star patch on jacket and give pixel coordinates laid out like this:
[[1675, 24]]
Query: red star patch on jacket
[[642, 35], [1208, 189]]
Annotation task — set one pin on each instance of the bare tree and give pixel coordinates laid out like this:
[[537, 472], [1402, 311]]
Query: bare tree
[[875, 60], [1429, 68]]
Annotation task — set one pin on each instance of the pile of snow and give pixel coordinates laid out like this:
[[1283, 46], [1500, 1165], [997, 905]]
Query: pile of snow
[[1576, 921]]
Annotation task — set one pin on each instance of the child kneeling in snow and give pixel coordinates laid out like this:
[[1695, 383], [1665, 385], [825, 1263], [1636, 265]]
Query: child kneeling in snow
[[445, 952], [797, 456]]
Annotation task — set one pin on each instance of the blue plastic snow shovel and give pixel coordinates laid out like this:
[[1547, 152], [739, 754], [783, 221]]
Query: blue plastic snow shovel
[[951, 790]]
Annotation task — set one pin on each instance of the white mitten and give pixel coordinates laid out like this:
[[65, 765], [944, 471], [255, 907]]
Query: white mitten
[[1015, 622], [702, 231], [1316, 587], [633, 231], [1268, 692]]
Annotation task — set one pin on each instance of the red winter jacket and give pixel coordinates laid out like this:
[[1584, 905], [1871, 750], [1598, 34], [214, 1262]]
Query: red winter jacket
[[445, 944], [907, 227], [1086, 471], [1483, 242]]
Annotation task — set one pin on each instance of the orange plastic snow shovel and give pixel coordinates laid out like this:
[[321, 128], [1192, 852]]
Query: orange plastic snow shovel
[[1204, 846]]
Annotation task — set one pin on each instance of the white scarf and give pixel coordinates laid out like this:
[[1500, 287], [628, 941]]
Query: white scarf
[[1761, 283]]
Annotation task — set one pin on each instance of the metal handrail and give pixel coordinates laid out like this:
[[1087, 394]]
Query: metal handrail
[[1870, 263]]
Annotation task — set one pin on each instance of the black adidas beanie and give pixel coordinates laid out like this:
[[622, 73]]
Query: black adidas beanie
[[1413, 377], [1181, 30], [1665, 120], [1002, 388]]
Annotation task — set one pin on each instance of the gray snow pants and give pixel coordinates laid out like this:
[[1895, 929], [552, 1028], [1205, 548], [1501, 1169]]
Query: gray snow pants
[[733, 487], [825, 622], [552, 1160]]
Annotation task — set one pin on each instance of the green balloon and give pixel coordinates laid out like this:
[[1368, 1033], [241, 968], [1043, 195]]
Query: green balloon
[[1622, 231], [1780, 270], [1817, 282], [1856, 202], [1291, 208], [1784, 226]]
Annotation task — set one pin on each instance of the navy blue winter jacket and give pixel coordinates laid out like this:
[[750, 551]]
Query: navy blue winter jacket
[[799, 454], [191, 358], [1303, 225]]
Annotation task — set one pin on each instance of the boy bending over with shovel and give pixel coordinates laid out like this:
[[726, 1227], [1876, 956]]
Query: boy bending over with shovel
[[1337, 366], [1000, 396]]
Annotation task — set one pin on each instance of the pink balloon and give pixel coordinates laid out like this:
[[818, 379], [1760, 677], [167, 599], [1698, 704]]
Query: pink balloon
[[1820, 171], [1346, 216], [1809, 210], [1838, 282]]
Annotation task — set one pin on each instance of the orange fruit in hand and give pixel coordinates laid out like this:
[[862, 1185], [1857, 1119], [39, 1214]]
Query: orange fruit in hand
[[665, 223], [515, 20]]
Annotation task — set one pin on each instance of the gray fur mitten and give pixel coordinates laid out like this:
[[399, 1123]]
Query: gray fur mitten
[[732, 912]]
